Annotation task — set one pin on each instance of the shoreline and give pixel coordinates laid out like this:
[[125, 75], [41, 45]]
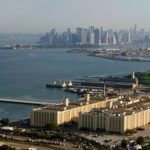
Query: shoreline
[[121, 59], [95, 53]]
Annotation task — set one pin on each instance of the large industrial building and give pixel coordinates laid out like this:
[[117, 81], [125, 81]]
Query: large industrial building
[[67, 111], [117, 118]]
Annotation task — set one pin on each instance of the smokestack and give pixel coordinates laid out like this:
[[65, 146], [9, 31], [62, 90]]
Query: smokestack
[[87, 97], [66, 102], [104, 90], [133, 75]]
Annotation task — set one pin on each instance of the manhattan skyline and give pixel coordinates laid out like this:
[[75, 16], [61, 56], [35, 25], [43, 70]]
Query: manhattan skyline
[[31, 16]]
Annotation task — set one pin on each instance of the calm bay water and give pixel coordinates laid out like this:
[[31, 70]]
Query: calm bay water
[[24, 73]]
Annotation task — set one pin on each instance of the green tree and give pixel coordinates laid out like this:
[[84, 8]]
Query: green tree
[[6, 147], [5, 121], [50, 126], [124, 143], [130, 131], [140, 140], [147, 147]]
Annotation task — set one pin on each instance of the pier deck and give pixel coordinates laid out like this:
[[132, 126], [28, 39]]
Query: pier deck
[[27, 102]]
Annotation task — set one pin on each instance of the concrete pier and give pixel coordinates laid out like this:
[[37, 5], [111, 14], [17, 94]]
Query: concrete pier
[[27, 102]]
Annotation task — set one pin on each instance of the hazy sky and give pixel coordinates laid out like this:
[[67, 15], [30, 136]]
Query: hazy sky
[[42, 15]]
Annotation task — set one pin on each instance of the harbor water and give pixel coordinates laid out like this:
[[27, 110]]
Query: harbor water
[[24, 74]]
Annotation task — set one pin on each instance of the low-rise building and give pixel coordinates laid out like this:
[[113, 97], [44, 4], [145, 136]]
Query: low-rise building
[[118, 118], [67, 111]]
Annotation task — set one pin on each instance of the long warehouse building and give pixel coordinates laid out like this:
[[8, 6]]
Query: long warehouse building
[[118, 118], [67, 111]]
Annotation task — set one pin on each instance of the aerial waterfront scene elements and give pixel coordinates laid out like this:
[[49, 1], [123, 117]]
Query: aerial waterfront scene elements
[[74, 75], [32, 75]]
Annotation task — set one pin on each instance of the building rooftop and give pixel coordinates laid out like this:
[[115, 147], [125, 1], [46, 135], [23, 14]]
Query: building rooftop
[[73, 104], [123, 108]]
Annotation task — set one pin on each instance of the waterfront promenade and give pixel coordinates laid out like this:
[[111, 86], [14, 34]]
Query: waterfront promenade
[[27, 102]]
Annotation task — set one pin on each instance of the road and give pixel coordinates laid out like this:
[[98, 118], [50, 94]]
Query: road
[[21, 143]]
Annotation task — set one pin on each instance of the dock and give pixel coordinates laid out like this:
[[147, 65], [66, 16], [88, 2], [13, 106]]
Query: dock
[[27, 102]]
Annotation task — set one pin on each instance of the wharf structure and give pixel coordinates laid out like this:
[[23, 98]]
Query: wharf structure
[[118, 118], [27, 102], [112, 81], [67, 111], [124, 82]]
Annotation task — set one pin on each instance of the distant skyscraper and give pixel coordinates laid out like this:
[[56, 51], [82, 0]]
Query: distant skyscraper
[[122, 34], [74, 38], [128, 37], [110, 32], [83, 36], [102, 36], [79, 35], [142, 34], [135, 28], [97, 37], [116, 36], [52, 36], [91, 29], [135, 32], [106, 38], [114, 40], [69, 36], [91, 36]]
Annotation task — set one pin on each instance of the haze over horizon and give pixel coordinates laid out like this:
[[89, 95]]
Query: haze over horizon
[[32, 16]]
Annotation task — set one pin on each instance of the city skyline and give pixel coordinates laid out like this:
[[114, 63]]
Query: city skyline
[[35, 17], [95, 36]]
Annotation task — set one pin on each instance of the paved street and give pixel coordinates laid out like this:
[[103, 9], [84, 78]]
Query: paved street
[[110, 139]]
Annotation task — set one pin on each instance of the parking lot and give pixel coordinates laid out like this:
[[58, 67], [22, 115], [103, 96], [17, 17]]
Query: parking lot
[[114, 139]]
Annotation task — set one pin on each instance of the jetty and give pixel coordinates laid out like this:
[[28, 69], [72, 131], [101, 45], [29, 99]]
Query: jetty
[[27, 102]]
